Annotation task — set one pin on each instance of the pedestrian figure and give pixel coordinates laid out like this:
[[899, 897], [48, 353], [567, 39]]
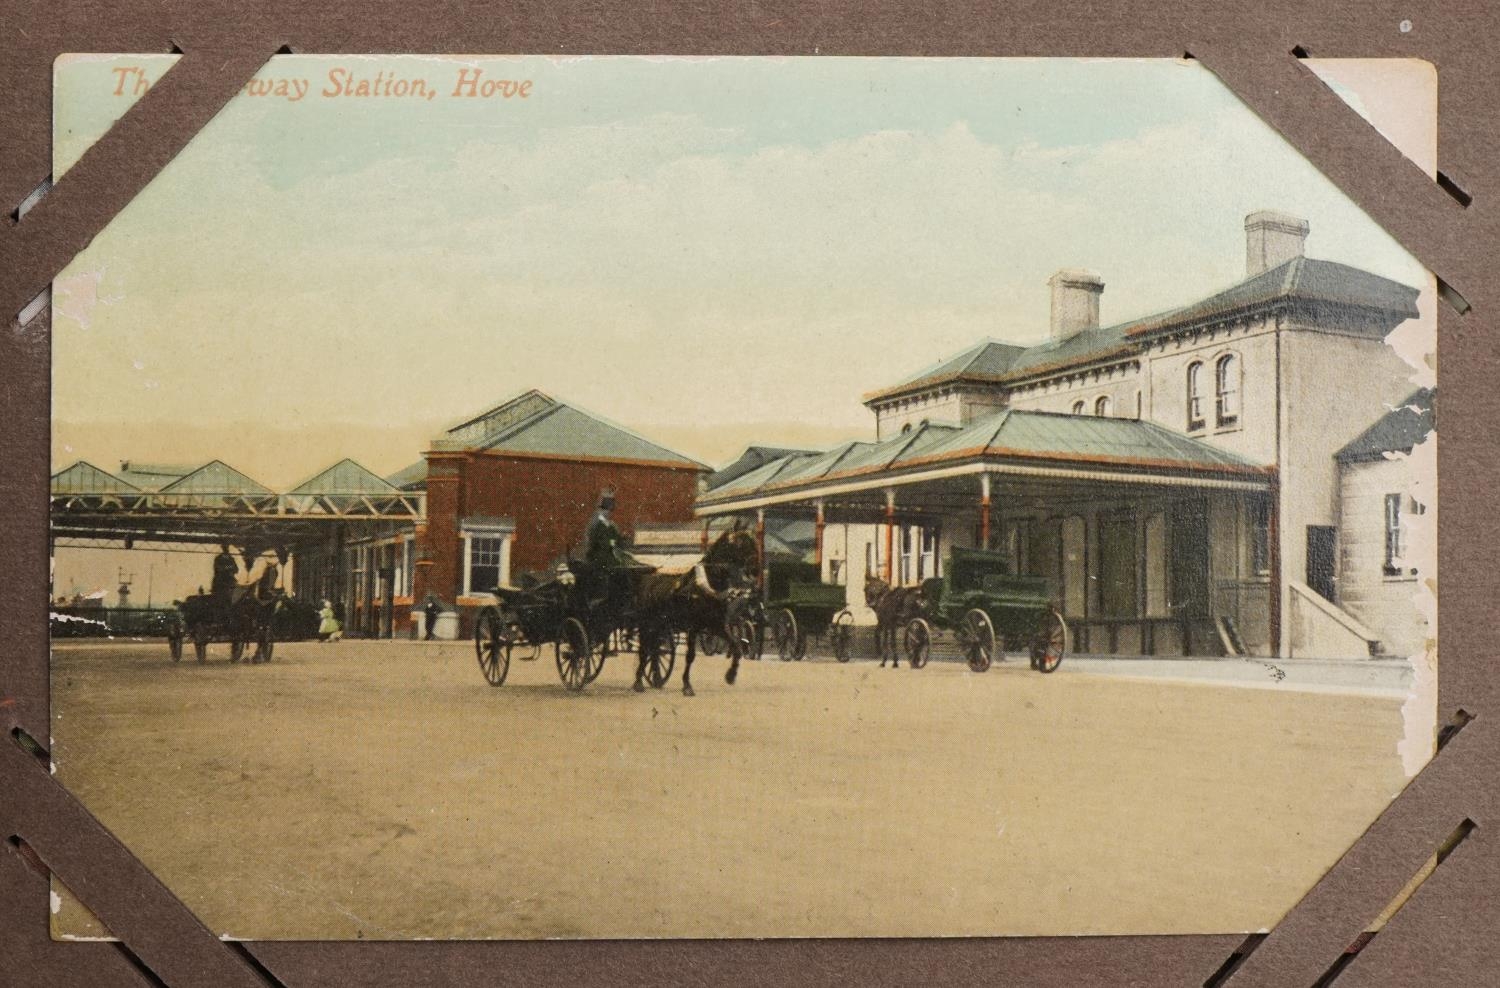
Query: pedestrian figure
[[329, 629], [430, 611], [226, 575]]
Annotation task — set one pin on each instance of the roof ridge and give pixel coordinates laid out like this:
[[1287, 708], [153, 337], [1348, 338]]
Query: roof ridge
[[520, 425]]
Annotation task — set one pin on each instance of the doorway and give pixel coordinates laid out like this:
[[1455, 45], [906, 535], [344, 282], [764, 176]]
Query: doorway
[[1322, 547]]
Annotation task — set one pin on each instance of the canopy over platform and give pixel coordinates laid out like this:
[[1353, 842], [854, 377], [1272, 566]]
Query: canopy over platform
[[215, 502], [1042, 454]]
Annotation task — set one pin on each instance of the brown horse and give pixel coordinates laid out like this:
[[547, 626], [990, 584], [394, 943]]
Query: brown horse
[[893, 607], [699, 600]]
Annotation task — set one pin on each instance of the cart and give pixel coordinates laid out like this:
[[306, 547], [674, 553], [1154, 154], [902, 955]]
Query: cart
[[799, 605], [988, 609]]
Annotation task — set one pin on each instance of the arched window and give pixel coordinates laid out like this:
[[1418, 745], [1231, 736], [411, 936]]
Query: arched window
[[1078, 408], [1195, 395], [1103, 406], [1227, 390]]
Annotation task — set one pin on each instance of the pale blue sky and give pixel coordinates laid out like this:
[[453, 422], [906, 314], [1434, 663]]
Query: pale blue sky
[[669, 242]]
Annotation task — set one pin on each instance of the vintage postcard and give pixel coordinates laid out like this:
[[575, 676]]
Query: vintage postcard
[[597, 497]]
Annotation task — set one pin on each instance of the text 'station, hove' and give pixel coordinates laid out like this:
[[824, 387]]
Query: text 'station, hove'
[[342, 82]]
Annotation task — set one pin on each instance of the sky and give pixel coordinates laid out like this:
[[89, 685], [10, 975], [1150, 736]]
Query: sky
[[711, 251]]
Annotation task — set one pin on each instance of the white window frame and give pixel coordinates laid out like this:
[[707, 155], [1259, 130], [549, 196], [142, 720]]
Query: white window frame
[[1228, 403], [506, 535]]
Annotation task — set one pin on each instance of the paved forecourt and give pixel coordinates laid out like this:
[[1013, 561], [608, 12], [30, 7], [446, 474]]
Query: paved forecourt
[[383, 790]]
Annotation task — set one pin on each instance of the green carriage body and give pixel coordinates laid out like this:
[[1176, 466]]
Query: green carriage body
[[1020, 610], [801, 605]]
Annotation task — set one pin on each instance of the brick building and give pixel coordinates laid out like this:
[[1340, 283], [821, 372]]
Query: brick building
[[510, 491]]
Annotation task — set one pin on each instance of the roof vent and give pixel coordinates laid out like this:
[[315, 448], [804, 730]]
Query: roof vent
[[1272, 239], [1075, 301]]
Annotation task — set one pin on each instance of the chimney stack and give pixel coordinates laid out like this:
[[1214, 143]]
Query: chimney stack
[[1075, 301], [1272, 239]]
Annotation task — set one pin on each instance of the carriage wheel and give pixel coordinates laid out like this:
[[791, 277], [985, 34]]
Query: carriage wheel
[[492, 646], [918, 642], [784, 631], [711, 643], [1050, 643], [174, 644], [265, 643], [978, 640], [595, 664], [660, 659], [841, 636], [236, 650], [574, 654]]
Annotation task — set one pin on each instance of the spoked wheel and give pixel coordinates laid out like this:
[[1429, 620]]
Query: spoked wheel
[[660, 659], [492, 647], [1050, 643], [918, 642], [841, 636], [801, 652], [978, 640], [265, 642], [784, 631], [575, 654], [174, 644], [711, 643]]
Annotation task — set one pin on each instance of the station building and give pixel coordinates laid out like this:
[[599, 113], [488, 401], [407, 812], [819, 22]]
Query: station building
[[1226, 477]]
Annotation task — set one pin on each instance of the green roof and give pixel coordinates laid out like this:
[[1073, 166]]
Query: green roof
[[345, 477], [536, 424], [217, 477], [1046, 438], [413, 477], [152, 476], [1397, 431], [85, 478], [1301, 280]]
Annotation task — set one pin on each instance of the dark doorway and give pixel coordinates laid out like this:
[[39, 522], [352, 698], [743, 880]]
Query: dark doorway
[[1118, 556], [1189, 559], [1322, 543]]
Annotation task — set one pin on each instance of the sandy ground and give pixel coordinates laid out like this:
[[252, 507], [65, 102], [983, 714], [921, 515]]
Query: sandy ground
[[383, 790]]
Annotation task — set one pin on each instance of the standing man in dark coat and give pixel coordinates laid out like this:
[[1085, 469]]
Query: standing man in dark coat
[[430, 611], [226, 574]]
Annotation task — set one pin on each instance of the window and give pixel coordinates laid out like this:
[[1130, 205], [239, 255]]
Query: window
[[1078, 408], [484, 563], [1195, 395], [1227, 390], [927, 561], [908, 560], [1260, 536], [1018, 541], [1103, 406], [1393, 545]]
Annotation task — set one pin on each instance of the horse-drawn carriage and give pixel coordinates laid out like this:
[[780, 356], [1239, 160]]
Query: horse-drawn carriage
[[242, 616], [800, 606], [587, 613], [988, 608]]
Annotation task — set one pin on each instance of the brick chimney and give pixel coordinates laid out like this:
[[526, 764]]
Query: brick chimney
[[1272, 239], [1075, 301]]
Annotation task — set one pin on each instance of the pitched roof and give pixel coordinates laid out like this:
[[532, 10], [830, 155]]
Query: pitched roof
[[534, 423], [750, 459], [344, 477], [217, 477], [410, 478], [1397, 431], [1047, 437], [1299, 280], [85, 478], [152, 476], [986, 361]]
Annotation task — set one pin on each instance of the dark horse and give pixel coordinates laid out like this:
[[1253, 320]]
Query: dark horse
[[698, 600], [893, 607]]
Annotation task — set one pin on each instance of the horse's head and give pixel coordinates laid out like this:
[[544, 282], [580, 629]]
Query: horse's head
[[734, 554], [875, 591]]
